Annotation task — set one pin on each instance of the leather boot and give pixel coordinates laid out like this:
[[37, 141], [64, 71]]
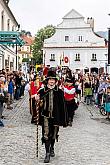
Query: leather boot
[[52, 153], [47, 158], [70, 122], [47, 148]]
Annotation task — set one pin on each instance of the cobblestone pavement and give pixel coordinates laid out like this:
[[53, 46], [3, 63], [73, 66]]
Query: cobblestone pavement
[[85, 143]]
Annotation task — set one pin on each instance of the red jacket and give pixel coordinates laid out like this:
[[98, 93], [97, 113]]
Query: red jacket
[[33, 88], [69, 92]]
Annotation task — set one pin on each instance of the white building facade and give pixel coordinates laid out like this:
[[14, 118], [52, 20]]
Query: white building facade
[[7, 23], [76, 45]]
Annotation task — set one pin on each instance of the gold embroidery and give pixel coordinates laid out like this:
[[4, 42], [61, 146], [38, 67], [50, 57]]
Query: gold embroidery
[[46, 128]]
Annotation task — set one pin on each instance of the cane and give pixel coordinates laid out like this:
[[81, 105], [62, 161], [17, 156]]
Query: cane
[[37, 123]]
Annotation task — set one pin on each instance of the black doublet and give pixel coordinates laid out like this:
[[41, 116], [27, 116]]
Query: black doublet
[[56, 111]]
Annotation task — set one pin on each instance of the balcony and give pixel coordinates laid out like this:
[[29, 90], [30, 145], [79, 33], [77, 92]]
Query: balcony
[[77, 59], [94, 59], [52, 59]]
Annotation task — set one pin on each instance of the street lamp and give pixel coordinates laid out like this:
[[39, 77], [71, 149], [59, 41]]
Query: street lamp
[[108, 46], [106, 63], [108, 66]]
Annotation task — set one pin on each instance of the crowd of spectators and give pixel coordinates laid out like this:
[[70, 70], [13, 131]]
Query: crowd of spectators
[[12, 85]]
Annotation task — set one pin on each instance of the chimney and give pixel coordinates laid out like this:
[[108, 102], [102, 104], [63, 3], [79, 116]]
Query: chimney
[[91, 22]]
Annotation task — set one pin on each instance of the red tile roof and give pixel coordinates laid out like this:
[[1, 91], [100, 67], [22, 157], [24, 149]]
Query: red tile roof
[[28, 40]]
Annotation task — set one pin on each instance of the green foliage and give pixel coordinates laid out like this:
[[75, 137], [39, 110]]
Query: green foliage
[[25, 60], [41, 35]]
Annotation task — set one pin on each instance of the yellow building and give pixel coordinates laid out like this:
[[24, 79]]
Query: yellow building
[[25, 52]]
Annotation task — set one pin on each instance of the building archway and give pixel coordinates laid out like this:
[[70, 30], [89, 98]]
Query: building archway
[[94, 70], [86, 70]]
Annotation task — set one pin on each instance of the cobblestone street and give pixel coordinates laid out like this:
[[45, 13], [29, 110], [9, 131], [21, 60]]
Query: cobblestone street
[[86, 143]]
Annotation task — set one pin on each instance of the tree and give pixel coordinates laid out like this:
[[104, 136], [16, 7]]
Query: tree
[[41, 35], [25, 60], [24, 32]]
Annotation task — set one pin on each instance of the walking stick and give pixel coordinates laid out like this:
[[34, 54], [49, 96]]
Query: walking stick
[[30, 102], [30, 93], [37, 122]]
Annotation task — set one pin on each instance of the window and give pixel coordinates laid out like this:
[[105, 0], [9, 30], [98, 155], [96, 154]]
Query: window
[[2, 20], [66, 38], [23, 55], [94, 57], [52, 58], [22, 48], [8, 25], [13, 28], [27, 49], [77, 57], [80, 38]]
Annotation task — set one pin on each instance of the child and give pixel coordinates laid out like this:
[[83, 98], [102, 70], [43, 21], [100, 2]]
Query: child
[[69, 94], [107, 103]]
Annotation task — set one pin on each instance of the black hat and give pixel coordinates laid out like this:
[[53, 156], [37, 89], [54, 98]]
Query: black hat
[[51, 75], [69, 80]]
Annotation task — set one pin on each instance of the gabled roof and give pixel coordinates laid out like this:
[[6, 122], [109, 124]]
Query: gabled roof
[[10, 12], [28, 40], [73, 14]]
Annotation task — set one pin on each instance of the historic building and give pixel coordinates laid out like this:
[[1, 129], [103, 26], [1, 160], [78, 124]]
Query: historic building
[[25, 52], [9, 38], [76, 45]]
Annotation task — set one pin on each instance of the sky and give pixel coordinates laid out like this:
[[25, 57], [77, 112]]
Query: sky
[[33, 15]]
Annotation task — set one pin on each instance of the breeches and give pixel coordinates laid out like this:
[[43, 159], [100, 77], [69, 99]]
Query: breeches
[[49, 130]]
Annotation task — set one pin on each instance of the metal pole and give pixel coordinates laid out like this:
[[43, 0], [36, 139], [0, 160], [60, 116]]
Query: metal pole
[[108, 65], [16, 58], [108, 46]]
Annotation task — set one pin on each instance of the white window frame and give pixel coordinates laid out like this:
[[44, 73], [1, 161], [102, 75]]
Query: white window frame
[[77, 57], [94, 57], [52, 57], [80, 38]]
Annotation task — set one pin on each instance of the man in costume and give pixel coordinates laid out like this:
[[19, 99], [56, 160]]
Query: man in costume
[[52, 113], [35, 85]]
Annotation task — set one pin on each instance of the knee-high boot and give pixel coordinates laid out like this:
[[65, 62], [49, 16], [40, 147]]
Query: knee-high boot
[[52, 153], [70, 122], [47, 148]]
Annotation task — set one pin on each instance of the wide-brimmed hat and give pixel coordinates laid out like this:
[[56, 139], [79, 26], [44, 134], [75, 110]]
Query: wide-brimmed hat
[[51, 75]]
